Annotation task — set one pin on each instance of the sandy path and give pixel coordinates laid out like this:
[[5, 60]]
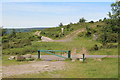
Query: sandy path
[[70, 36], [46, 39], [34, 67]]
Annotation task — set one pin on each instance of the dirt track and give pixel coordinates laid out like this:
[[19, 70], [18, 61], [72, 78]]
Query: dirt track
[[33, 67], [67, 38], [52, 57], [41, 66]]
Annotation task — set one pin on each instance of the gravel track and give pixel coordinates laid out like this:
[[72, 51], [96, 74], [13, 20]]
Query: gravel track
[[41, 66], [52, 57], [33, 67]]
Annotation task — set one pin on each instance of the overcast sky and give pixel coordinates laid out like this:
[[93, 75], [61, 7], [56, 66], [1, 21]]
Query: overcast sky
[[43, 14]]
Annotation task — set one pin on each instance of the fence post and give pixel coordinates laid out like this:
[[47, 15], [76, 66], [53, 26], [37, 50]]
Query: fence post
[[38, 54], [83, 57], [69, 54]]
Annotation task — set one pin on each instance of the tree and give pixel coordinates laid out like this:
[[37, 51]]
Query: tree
[[100, 20], [4, 31], [82, 20], [60, 25], [13, 34], [104, 37], [71, 23], [88, 31], [105, 19], [115, 14], [113, 22], [112, 27], [91, 22]]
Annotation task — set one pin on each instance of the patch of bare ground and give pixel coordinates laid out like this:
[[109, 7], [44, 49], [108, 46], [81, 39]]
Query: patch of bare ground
[[34, 67]]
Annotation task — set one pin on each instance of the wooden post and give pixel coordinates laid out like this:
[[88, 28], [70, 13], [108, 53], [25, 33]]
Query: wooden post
[[39, 54], [83, 57], [69, 54]]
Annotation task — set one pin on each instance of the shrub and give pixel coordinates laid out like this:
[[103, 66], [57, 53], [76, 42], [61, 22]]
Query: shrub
[[82, 20], [94, 48], [88, 34], [98, 25], [109, 46], [112, 37], [5, 45], [81, 34], [91, 22]]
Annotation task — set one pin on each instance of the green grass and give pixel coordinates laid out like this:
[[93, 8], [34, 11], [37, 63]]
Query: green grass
[[6, 62], [52, 32], [107, 68], [112, 51], [77, 43]]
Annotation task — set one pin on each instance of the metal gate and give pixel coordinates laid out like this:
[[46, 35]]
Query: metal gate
[[50, 52]]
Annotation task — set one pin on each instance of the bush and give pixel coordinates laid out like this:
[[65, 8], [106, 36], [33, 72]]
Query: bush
[[108, 37], [81, 34], [109, 46], [94, 48], [5, 45], [5, 39], [88, 34], [112, 37], [98, 25], [91, 22]]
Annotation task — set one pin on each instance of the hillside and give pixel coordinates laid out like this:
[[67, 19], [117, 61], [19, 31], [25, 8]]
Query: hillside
[[55, 33], [75, 37]]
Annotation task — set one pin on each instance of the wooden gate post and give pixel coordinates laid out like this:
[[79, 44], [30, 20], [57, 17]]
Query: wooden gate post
[[39, 54], [69, 54], [83, 58]]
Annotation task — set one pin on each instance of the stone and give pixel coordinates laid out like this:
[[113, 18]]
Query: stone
[[96, 59], [12, 57], [99, 59], [81, 59], [20, 58], [54, 67], [27, 56], [46, 66], [73, 60], [94, 37]]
